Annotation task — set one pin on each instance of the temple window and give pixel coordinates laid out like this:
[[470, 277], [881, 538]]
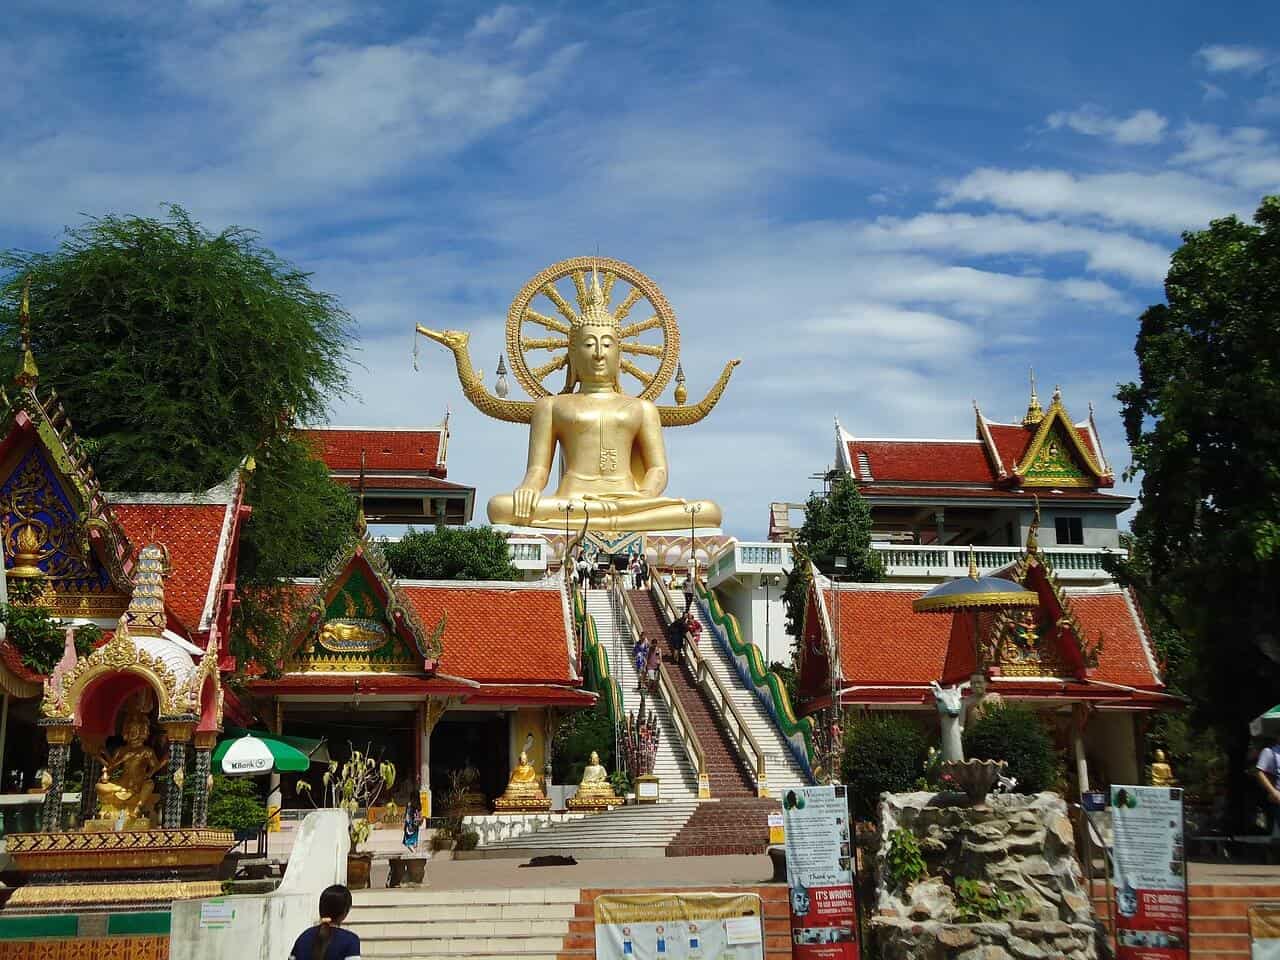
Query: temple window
[[1070, 531]]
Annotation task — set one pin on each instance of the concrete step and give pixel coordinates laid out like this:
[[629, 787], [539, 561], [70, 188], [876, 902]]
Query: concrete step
[[679, 779], [635, 831]]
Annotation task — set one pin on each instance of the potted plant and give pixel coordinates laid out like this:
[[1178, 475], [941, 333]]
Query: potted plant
[[354, 786]]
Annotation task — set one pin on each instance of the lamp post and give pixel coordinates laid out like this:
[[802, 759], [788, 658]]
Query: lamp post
[[564, 553], [692, 509], [840, 567]]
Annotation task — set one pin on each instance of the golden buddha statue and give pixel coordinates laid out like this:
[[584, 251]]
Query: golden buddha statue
[[1161, 772], [595, 792], [524, 791], [613, 458], [133, 793]]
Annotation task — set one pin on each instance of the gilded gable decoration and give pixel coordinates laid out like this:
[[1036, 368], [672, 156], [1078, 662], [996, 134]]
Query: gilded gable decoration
[[1056, 455], [59, 535], [356, 619]]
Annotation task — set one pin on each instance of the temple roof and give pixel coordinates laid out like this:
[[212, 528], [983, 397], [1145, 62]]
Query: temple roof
[[390, 449], [501, 641], [201, 534], [889, 653], [501, 631], [1046, 451]]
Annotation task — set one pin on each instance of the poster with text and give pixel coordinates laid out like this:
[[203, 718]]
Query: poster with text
[[1149, 873], [819, 842], [656, 926]]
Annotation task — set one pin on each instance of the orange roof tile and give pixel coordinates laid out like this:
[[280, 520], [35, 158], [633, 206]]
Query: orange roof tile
[[192, 533], [922, 461], [498, 634], [396, 450], [884, 642]]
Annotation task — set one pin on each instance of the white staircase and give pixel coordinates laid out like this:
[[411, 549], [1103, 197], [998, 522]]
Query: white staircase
[[530, 923], [781, 768], [624, 832], [677, 780]]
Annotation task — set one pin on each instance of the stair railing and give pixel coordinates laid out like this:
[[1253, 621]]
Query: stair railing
[[680, 720], [734, 723]]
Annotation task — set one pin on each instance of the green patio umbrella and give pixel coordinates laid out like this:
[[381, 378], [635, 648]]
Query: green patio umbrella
[[251, 755], [1265, 722]]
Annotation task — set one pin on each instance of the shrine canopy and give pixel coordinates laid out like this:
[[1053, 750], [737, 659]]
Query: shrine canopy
[[1087, 644]]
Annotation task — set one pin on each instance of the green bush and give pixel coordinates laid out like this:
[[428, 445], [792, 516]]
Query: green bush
[[881, 753], [904, 863], [1017, 736], [468, 840], [440, 840], [578, 734], [234, 804]]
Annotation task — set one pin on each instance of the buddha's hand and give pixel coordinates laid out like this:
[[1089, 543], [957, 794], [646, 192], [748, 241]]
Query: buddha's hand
[[523, 500]]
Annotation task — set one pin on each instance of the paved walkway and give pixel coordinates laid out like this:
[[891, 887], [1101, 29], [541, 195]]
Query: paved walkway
[[657, 872]]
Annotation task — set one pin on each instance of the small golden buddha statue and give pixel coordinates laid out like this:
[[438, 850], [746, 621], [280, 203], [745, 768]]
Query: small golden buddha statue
[[1161, 772], [524, 792], [595, 792], [133, 793]]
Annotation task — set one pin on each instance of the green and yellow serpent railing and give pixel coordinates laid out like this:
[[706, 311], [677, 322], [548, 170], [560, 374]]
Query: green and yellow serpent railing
[[755, 672]]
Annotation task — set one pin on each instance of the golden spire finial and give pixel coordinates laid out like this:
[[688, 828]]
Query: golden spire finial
[[362, 525], [1034, 412], [1033, 532], [28, 373], [973, 564], [595, 311], [145, 616]]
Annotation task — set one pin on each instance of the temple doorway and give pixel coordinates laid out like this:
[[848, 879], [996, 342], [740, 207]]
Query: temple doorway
[[476, 738], [386, 734]]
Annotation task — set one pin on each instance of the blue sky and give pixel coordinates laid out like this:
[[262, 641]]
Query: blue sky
[[887, 211]]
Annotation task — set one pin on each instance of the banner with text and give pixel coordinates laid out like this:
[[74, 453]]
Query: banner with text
[[824, 918], [658, 926], [1149, 873]]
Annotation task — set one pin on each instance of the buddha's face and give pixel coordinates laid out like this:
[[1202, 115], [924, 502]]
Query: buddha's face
[[135, 731], [595, 759], [595, 355]]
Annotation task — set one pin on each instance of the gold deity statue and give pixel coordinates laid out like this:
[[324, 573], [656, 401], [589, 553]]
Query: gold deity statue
[[595, 792], [133, 793], [1161, 772], [523, 792], [613, 461]]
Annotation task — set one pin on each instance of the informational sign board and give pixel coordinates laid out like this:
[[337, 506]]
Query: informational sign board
[[656, 926], [819, 843], [1149, 873]]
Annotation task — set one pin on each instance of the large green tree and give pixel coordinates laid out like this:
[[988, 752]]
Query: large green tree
[[451, 553], [1203, 428], [179, 352], [837, 525]]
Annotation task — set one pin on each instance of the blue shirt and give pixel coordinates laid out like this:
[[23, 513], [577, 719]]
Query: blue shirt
[[343, 945]]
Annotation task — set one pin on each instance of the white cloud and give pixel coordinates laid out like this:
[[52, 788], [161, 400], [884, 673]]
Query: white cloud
[[1142, 126], [1228, 58], [998, 234], [1170, 201], [1242, 155]]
